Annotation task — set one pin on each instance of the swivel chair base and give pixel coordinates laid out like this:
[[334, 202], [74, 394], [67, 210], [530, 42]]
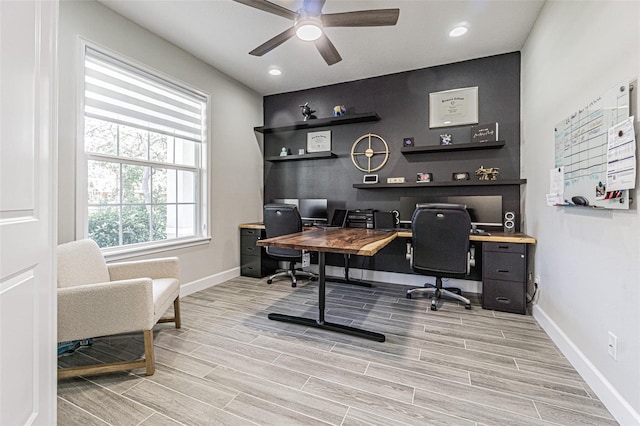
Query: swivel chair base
[[436, 292], [293, 274]]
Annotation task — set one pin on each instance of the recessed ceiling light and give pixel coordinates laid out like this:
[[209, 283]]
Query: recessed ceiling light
[[275, 71], [458, 31]]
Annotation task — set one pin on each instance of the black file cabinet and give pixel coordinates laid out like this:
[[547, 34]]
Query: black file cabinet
[[504, 277], [254, 261]]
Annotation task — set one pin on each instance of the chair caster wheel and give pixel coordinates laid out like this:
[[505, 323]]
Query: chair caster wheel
[[269, 281], [468, 307], [313, 279], [434, 307], [294, 285], [408, 295]]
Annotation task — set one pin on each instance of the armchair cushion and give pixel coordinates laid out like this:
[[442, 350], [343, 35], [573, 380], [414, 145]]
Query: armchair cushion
[[79, 263]]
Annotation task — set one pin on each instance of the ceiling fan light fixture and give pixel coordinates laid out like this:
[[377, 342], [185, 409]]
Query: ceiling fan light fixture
[[458, 31], [308, 29], [274, 71]]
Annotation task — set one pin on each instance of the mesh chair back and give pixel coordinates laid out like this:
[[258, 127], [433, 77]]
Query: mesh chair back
[[440, 239], [282, 219]]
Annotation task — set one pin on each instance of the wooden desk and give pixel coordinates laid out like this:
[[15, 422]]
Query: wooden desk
[[359, 241]]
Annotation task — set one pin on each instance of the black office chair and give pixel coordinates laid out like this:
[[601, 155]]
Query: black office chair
[[440, 247], [283, 219]]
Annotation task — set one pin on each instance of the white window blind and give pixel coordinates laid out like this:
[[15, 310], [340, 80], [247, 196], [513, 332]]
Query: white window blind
[[120, 93]]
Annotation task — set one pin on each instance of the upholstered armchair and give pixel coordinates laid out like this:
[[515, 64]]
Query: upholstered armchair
[[96, 299]]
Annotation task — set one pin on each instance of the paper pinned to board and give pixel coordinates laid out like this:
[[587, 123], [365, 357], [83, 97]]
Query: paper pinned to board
[[621, 156], [556, 186]]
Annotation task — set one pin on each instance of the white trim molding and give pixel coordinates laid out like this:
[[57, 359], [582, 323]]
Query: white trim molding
[[187, 289], [619, 407]]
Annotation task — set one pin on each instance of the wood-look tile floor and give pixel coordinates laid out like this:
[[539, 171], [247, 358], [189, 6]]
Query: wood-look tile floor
[[231, 365]]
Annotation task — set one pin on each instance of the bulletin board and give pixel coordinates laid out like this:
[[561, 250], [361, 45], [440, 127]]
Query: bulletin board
[[581, 142]]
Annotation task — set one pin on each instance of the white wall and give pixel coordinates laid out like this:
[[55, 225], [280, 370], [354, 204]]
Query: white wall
[[588, 261], [236, 166]]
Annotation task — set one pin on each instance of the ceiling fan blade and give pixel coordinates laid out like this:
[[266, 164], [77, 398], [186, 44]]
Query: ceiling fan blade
[[269, 7], [313, 7], [273, 43], [363, 18], [327, 50]]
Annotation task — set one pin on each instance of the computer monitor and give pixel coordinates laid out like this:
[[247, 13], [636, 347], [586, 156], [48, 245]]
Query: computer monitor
[[339, 218], [485, 210], [313, 209]]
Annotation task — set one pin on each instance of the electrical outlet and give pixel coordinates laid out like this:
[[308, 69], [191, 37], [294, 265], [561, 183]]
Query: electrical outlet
[[613, 346]]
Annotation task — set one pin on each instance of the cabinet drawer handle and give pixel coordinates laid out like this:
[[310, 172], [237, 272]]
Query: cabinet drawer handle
[[250, 248], [504, 300], [504, 247], [503, 271]]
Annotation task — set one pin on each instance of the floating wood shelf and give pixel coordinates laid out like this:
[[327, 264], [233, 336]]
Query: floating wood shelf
[[440, 184], [320, 122], [453, 147]]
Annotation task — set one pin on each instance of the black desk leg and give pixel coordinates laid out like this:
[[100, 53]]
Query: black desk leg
[[346, 279], [320, 322]]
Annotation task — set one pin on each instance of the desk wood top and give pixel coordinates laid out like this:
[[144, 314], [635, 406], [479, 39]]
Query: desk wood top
[[365, 242], [494, 237]]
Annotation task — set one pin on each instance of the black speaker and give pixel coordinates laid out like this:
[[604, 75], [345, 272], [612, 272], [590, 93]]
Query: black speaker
[[509, 222]]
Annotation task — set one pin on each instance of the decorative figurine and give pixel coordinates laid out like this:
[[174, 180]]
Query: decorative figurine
[[339, 110], [490, 173], [307, 112], [445, 139], [283, 152]]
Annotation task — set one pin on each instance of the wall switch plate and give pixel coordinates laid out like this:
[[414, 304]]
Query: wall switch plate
[[613, 346]]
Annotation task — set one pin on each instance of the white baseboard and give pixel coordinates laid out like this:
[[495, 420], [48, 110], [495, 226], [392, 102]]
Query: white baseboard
[[210, 281], [619, 407]]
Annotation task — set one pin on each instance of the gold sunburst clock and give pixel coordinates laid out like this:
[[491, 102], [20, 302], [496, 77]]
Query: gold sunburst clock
[[369, 150]]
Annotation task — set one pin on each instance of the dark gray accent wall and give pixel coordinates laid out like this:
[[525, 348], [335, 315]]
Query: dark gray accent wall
[[402, 102]]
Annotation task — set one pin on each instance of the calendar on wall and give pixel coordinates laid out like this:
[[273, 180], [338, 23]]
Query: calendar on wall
[[581, 142]]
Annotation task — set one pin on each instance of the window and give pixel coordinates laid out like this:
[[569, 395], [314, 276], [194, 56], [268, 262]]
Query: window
[[143, 154]]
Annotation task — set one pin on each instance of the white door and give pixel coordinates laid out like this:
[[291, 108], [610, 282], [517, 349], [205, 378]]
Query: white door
[[28, 105]]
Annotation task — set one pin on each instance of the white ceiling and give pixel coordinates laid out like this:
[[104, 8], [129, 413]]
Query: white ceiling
[[222, 32]]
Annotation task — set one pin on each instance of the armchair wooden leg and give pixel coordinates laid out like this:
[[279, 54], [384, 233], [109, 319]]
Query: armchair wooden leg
[[149, 354], [176, 312]]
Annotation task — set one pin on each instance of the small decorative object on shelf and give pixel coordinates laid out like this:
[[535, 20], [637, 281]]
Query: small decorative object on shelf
[[424, 177], [490, 173], [307, 112], [283, 151], [446, 139], [395, 180], [484, 132], [339, 110], [407, 142], [301, 151], [460, 176]]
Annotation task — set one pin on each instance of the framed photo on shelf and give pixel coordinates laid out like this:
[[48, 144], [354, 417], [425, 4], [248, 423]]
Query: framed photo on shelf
[[453, 107], [424, 177], [458, 176], [319, 141]]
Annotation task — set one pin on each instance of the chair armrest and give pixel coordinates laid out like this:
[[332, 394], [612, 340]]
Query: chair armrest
[[167, 267], [115, 307]]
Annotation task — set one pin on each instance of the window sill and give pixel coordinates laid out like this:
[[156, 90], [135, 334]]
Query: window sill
[[127, 252]]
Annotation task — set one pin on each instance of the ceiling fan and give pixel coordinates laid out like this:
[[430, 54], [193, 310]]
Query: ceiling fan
[[309, 21]]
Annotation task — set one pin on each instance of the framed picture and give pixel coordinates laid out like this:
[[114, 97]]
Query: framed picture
[[424, 177], [461, 176], [319, 141], [407, 142], [453, 107]]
